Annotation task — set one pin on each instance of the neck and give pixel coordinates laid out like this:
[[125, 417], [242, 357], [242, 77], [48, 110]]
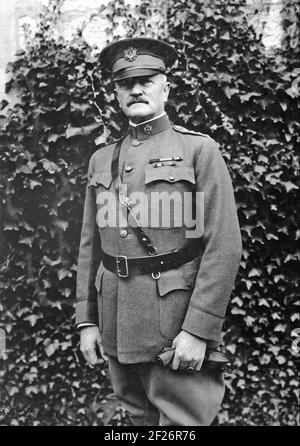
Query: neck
[[134, 124], [149, 127]]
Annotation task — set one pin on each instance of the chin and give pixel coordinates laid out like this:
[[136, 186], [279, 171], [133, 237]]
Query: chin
[[139, 111]]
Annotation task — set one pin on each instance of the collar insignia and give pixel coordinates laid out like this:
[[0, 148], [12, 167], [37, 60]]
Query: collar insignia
[[130, 54], [147, 129]]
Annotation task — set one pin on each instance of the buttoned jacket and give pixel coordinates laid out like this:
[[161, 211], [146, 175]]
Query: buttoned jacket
[[140, 314]]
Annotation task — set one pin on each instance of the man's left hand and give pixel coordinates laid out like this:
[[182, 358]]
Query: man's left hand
[[189, 351]]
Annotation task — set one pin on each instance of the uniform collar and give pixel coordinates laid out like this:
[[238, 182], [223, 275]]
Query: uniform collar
[[149, 128]]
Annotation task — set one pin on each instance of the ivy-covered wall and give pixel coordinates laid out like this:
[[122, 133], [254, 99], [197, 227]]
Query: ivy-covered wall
[[223, 85]]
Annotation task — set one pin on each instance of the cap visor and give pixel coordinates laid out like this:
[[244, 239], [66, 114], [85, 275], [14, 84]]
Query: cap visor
[[136, 73]]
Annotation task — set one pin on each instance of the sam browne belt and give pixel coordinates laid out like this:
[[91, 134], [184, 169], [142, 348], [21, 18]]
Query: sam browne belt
[[154, 263], [124, 266]]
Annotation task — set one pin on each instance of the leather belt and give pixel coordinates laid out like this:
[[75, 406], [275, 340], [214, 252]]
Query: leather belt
[[124, 266]]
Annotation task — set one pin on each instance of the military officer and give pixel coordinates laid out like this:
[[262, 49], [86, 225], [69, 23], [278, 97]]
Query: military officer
[[149, 283]]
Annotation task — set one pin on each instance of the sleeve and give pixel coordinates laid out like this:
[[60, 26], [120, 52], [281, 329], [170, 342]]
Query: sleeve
[[88, 260], [222, 247]]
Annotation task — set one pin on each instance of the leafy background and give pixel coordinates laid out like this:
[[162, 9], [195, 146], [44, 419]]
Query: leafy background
[[63, 110]]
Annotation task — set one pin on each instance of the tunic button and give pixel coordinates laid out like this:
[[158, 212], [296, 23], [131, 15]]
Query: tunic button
[[123, 233], [135, 142], [128, 169], [171, 178]]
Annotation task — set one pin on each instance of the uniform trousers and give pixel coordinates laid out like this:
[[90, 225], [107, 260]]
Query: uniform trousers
[[158, 396]]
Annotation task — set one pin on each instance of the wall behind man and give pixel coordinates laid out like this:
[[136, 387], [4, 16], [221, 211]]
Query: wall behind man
[[14, 14]]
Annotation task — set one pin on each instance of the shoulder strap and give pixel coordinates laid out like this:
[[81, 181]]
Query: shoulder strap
[[115, 166], [180, 129]]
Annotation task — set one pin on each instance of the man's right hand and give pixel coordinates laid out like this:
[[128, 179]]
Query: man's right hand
[[90, 337]]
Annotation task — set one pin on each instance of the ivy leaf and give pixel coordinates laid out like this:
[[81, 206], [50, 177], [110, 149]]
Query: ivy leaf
[[293, 91], [280, 327], [100, 140], [289, 185], [13, 390], [275, 350], [254, 272], [32, 319], [50, 166], [62, 224], [24, 169], [281, 359], [51, 347], [86, 130], [34, 183]]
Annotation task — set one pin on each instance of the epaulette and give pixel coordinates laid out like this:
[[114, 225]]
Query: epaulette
[[180, 129]]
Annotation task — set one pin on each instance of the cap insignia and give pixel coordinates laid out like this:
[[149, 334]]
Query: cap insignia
[[130, 54]]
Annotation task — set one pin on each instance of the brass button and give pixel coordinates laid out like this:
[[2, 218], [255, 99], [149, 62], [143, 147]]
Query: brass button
[[135, 142], [171, 178], [123, 233], [128, 169]]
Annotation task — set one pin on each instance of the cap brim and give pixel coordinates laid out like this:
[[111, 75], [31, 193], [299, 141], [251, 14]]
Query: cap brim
[[135, 73]]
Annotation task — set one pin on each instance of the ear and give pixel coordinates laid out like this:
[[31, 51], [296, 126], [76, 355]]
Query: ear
[[116, 94], [166, 91]]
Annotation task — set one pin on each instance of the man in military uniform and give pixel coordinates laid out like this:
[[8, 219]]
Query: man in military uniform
[[146, 286]]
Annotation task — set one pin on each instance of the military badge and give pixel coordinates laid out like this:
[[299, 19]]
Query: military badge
[[130, 54], [147, 129]]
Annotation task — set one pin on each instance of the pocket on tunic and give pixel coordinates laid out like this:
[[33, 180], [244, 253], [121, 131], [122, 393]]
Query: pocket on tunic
[[170, 174], [175, 288], [171, 194], [105, 199], [98, 286]]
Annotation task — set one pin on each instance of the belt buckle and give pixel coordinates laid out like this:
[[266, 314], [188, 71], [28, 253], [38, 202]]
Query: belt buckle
[[122, 266]]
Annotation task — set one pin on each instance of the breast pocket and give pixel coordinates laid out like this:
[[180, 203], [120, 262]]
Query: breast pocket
[[175, 288], [170, 191], [105, 198], [178, 176]]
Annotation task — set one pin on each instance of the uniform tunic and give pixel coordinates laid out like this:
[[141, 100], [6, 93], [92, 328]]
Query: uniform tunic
[[140, 315]]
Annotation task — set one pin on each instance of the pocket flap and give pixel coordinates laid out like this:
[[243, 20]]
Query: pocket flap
[[167, 283], [101, 177], [170, 174], [182, 278]]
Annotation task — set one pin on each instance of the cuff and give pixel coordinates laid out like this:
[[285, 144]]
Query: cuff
[[86, 312], [204, 325], [85, 324]]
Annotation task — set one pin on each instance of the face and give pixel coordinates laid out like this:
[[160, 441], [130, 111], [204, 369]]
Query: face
[[142, 98]]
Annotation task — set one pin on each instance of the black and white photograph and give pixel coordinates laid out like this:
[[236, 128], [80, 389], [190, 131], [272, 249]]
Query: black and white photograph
[[149, 215]]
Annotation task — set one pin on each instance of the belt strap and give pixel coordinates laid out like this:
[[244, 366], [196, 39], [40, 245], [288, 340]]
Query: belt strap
[[143, 238], [115, 166], [154, 265]]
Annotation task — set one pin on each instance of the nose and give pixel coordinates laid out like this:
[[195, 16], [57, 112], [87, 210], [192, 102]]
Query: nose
[[136, 89]]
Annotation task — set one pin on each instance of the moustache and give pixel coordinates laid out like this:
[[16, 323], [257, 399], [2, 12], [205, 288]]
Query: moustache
[[137, 101]]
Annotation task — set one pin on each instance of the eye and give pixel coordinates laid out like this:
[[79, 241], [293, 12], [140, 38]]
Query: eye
[[123, 84], [146, 81]]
